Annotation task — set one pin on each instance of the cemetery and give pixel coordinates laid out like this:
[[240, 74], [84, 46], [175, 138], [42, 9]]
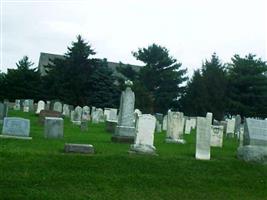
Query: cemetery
[[62, 153]]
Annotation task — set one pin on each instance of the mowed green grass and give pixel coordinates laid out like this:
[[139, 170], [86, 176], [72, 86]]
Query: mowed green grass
[[39, 169]]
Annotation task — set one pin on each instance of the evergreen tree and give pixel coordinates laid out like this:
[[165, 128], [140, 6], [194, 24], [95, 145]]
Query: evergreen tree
[[23, 82], [206, 91], [248, 86], [78, 79], [161, 77]]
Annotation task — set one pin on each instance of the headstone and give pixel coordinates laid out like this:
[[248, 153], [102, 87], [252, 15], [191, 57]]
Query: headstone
[[125, 130], [175, 127], [144, 140], [53, 127], [79, 148], [26, 106], [57, 106], [159, 117], [164, 125], [40, 106], [96, 116], [101, 115], [254, 148], [3, 112], [16, 127], [77, 115], [31, 105], [48, 113], [66, 110], [84, 125], [230, 129], [203, 137], [158, 127], [17, 105], [112, 115], [48, 105], [86, 113], [188, 126], [106, 113], [216, 138], [237, 124]]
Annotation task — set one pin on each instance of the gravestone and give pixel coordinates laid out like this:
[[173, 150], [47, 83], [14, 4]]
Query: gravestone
[[237, 124], [230, 128], [144, 140], [112, 115], [188, 126], [48, 113], [79, 148], [158, 127], [101, 115], [203, 137], [40, 106], [159, 117], [66, 110], [15, 127], [164, 125], [125, 130], [96, 116], [84, 125], [3, 112], [31, 105], [175, 127], [17, 105], [48, 105], [216, 138], [26, 106], [106, 113], [86, 113], [254, 147], [53, 127], [57, 106], [76, 117]]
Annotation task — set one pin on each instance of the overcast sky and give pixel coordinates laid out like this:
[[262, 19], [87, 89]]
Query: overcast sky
[[191, 29]]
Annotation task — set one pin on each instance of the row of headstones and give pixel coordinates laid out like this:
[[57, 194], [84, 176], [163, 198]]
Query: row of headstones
[[76, 115]]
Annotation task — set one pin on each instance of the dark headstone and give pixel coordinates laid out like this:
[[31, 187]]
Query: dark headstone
[[79, 148], [48, 113]]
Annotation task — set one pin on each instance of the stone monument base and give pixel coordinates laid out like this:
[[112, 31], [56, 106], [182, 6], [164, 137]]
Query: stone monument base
[[16, 137], [142, 149], [177, 141], [122, 139], [251, 153]]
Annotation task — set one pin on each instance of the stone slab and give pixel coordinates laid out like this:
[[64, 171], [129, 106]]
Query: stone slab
[[250, 153], [79, 148], [15, 137]]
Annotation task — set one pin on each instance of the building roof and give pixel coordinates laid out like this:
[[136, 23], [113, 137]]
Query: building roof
[[46, 57]]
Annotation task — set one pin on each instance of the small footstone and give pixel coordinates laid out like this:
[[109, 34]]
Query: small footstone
[[79, 148]]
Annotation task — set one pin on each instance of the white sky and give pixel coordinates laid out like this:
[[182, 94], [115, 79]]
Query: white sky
[[191, 29]]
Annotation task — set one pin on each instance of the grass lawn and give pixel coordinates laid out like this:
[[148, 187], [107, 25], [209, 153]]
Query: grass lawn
[[39, 169]]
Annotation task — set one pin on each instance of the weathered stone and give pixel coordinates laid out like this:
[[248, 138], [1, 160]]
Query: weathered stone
[[237, 124], [112, 115], [84, 126], [253, 153], [164, 125], [76, 115], [66, 110], [17, 105], [53, 127], [175, 126], [18, 127], [111, 126], [3, 112], [158, 127], [230, 129], [126, 126], [26, 106], [57, 106], [86, 113], [48, 113], [159, 117], [216, 138], [144, 140], [40, 106], [79, 148], [203, 137]]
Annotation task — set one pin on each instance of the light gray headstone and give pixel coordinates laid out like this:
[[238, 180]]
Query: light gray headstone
[[230, 129], [112, 115], [57, 106], [15, 126], [77, 115], [86, 113], [203, 137], [126, 119], [216, 138], [40, 106], [53, 127], [26, 106], [175, 126], [66, 110], [164, 125], [17, 105], [144, 140]]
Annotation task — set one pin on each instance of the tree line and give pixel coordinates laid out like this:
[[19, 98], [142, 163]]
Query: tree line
[[239, 87]]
